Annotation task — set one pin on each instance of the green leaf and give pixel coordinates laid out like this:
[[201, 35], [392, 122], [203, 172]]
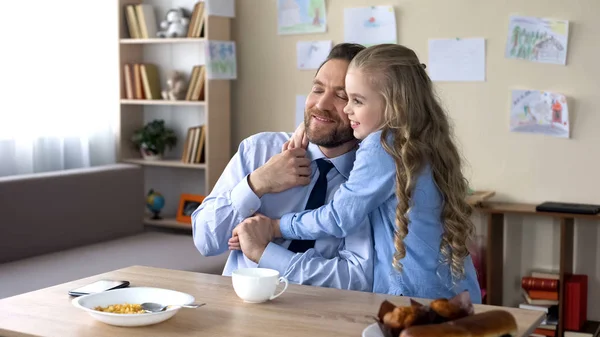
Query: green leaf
[[155, 137]]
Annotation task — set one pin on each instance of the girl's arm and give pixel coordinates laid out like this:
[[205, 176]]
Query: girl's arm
[[298, 139], [371, 183]]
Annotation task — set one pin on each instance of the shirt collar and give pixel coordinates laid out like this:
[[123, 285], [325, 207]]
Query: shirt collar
[[343, 163]]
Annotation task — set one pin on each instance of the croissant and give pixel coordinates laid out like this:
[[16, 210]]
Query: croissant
[[393, 320], [447, 310]]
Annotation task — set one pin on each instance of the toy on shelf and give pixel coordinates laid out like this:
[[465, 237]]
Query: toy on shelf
[[176, 87], [175, 24]]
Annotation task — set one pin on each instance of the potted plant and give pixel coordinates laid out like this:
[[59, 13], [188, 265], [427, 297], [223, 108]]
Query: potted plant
[[153, 139]]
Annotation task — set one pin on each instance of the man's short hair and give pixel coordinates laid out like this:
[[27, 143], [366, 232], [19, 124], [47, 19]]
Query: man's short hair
[[343, 51]]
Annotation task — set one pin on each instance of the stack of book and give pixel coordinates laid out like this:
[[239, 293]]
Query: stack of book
[[193, 151], [141, 81], [540, 291], [141, 21]]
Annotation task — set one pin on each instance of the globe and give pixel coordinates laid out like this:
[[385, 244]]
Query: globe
[[155, 203]]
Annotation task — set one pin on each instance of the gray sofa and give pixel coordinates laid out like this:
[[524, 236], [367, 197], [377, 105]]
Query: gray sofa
[[60, 226]]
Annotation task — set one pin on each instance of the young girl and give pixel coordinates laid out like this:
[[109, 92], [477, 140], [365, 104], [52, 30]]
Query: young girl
[[406, 178]]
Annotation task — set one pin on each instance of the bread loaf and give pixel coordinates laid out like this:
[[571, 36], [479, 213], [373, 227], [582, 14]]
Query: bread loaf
[[494, 323]]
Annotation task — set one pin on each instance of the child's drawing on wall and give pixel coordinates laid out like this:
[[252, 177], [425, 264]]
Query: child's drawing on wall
[[537, 39], [539, 112], [221, 61], [301, 16]]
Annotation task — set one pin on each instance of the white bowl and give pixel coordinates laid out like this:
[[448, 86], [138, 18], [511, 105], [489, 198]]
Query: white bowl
[[133, 295]]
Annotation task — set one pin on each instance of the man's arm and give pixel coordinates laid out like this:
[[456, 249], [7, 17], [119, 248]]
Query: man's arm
[[348, 267], [234, 197], [229, 203], [351, 269]]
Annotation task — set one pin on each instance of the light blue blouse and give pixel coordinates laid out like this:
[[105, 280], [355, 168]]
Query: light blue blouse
[[370, 192]]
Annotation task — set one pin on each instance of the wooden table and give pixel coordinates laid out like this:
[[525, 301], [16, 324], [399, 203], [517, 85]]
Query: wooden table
[[300, 311]]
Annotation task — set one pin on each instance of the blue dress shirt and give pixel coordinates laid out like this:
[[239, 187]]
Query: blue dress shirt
[[370, 193], [345, 263]]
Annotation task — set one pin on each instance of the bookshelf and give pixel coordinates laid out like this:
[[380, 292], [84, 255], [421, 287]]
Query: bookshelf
[[172, 176], [495, 212]]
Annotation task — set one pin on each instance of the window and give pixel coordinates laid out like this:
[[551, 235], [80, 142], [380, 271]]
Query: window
[[59, 94]]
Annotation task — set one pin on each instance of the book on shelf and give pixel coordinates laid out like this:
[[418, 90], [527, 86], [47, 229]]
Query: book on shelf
[[545, 274], [534, 297], [141, 81], [544, 332], [539, 283], [141, 21], [193, 150], [151, 81], [195, 28], [195, 90], [137, 81], [576, 294]]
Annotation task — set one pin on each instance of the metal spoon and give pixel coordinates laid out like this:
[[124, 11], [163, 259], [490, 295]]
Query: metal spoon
[[155, 307]]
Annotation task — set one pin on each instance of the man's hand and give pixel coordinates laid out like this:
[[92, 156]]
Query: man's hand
[[252, 236], [234, 241], [283, 171]]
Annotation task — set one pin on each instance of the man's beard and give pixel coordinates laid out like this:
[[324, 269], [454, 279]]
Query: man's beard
[[338, 135]]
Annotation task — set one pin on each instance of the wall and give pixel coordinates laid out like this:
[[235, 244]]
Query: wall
[[519, 167]]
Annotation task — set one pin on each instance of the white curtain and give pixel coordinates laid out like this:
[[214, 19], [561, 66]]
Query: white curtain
[[59, 89]]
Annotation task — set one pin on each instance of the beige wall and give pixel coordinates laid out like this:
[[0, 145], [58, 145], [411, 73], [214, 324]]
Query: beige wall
[[523, 167], [520, 167]]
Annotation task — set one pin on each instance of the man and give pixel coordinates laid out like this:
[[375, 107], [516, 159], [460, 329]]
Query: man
[[261, 179]]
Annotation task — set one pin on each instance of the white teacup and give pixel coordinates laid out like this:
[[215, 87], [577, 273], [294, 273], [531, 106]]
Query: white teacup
[[257, 285]]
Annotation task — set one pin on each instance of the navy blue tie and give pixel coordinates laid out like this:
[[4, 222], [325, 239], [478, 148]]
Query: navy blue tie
[[315, 200]]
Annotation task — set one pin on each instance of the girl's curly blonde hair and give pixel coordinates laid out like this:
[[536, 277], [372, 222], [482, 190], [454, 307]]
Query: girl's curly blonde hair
[[421, 135]]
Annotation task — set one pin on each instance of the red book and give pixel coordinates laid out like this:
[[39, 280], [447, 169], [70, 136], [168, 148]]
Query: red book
[[545, 332], [543, 295], [576, 292], [537, 283]]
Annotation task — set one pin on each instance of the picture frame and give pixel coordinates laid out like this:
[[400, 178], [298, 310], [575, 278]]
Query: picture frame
[[188, 203]]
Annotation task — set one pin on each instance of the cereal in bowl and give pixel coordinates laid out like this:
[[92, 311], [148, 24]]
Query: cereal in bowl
[[125, 308]]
